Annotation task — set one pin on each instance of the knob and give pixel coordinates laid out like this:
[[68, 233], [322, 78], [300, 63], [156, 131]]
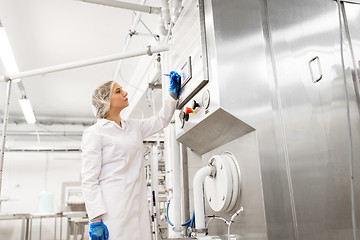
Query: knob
[[195, 105], [188, 110]]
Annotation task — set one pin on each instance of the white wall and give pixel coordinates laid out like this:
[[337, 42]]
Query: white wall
[[25, 175]]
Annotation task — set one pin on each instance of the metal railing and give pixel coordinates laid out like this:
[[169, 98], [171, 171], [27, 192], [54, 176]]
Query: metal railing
[[76, 222]]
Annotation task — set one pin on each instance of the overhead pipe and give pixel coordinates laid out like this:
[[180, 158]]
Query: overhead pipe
[[149, 51], [126, 5], [131, 33]]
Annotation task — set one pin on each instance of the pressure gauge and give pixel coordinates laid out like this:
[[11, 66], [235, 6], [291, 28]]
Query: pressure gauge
[[205, 99]]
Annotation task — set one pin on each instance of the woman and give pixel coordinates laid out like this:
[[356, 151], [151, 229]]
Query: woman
[[113, 178]]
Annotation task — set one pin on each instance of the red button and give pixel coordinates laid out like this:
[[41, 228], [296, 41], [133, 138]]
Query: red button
[[188, 110]]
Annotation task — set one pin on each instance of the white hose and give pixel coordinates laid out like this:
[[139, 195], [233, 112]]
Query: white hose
[[199, 197]]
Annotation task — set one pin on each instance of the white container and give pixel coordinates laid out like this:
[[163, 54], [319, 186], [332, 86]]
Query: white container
[[46, 202]]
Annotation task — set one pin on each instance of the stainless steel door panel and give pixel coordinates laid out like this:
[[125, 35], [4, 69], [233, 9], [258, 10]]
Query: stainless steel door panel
[[238, 62], [313, 116]]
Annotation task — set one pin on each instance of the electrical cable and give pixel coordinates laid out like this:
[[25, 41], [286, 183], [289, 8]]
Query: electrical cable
[[168, 219]]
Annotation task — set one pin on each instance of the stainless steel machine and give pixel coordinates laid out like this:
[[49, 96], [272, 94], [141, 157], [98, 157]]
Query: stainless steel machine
[[273, 84]]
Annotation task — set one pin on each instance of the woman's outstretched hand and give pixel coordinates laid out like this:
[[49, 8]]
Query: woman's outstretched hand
[[175, 84]]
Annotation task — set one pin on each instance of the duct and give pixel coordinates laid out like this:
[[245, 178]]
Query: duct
[[126, 5]]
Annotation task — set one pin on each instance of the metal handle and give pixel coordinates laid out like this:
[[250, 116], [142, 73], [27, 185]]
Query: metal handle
[[318, 77]]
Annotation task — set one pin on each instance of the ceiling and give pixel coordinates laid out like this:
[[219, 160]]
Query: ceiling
[[50, 32]]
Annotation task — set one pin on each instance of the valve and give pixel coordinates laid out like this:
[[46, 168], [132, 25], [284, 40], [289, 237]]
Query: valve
[[184, 117], [195, 105]]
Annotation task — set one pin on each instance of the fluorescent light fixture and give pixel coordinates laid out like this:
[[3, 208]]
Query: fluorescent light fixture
[[27, 110], [6, 53], [8, 60]]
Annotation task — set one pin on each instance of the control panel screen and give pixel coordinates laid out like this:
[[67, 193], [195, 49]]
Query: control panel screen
[[186, 73]]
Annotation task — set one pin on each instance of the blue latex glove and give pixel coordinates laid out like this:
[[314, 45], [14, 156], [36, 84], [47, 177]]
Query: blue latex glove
[[98, 231], [175, 84]]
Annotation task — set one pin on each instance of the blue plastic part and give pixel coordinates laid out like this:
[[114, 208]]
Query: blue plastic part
[[168, 220], [167, 215], [98, 231], [175, 84]]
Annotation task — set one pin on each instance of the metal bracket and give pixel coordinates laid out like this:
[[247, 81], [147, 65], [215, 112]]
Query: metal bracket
[[131, 33], [194, 231], [149, 50], [155, 86], [202, 230], [5, 78], [213, 168]]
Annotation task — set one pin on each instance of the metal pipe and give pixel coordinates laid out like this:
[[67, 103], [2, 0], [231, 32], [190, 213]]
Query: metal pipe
[[126, 5], [155, 185], [185, 183], [149, 51], [176, 8], [175, 158], [6, 118], [132, 29], [165, 12]]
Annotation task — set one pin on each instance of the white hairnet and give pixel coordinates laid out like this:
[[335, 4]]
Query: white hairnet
[[101, 99]]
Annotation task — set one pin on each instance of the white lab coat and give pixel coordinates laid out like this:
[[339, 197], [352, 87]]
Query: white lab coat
[[113, 175]]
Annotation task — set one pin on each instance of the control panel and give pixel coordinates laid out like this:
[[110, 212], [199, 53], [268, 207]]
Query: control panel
[[192, 80]]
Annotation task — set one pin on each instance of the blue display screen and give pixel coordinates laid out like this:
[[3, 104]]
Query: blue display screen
[[186, 73]]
